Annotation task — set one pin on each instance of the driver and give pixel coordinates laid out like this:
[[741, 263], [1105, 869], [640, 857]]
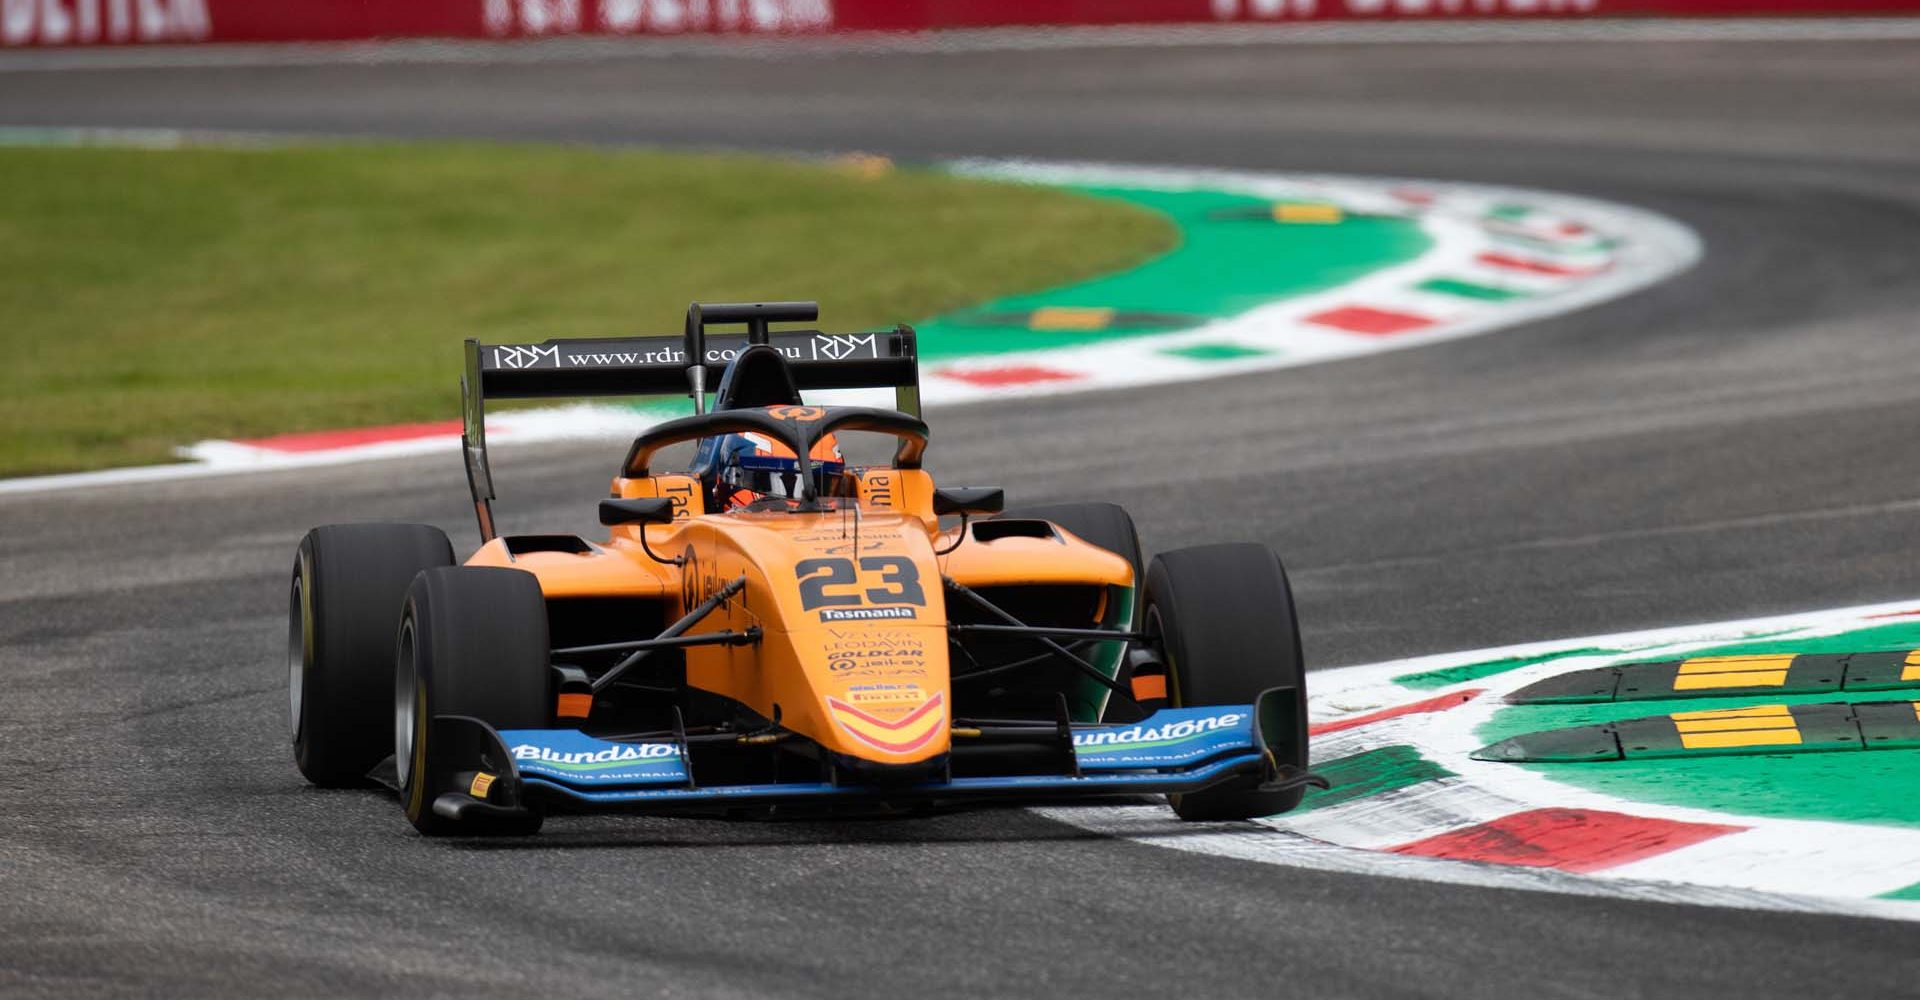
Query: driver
[[752, 467]]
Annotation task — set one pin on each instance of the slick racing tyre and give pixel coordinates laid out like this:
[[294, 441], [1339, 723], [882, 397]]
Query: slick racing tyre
[[1221, 619], [1109, 526], [473, 642], [349, 582]]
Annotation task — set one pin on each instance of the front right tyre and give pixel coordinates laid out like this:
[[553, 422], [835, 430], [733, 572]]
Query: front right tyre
[[349, 583]]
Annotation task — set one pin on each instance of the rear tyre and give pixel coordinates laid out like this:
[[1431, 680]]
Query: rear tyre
[[472, 641], [1109, 526], [1221, 619], [349, 582]]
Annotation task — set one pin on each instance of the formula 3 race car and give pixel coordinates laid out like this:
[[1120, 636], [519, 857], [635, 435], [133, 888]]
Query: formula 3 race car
[[777, 629]]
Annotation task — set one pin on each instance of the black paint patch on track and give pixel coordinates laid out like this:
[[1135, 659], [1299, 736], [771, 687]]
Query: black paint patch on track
[[1758, 729], [1721, 677]]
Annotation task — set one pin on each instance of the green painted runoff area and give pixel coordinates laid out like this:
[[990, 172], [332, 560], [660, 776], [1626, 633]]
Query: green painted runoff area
[[1446, 676], [1369, 773], [1873, 786], [154, 298], [1232, 257], [1910, 892], [1900, 635]]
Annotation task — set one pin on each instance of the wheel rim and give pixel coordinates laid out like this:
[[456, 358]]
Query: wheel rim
[[404, 687], [296, 656]]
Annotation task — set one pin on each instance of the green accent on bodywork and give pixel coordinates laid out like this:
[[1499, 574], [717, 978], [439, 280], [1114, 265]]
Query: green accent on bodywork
[[1215, 352], [1469, 290], [1910, 892], [1222, 267], [1445, 676], [1383, 769], [1087, 702]]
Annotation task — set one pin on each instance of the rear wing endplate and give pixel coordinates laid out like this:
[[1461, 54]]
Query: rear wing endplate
[[658, 365]]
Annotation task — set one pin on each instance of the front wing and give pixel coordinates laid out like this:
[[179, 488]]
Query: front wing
[[489, 774]]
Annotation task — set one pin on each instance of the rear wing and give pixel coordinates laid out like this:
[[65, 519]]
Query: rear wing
[[658, 365]]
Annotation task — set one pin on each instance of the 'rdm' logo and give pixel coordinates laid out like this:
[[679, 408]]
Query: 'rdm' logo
[[864, 614]]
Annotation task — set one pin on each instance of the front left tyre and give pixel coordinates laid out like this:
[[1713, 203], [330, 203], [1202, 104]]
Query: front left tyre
[[349, 584], [1221, 618], [472, 642]]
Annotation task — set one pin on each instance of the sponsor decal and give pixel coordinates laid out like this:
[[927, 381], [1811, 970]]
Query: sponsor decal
[[1268, 10], [841, 346], [1169, 738], [679, 491], [1143, 735], [616, 753], [725, 354], [518, 356], [642, 353], [879, 638], [54, 22], [885, 533], [865, 546], [665, 17], [877, 668], [690, 578], [798, 414], [895, 652], [906, 734], [914, 654], [867, 614], [877, 489], [576, 758], [885, 692], [663, 356], [892, 653]]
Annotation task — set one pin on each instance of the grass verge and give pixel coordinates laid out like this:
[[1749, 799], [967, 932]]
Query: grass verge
[[152, 298]]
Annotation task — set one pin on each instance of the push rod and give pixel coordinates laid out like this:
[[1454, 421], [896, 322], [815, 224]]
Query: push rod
[[692, 618], [1059, 651], [1002, 668], [1048, 631], [747, 638]]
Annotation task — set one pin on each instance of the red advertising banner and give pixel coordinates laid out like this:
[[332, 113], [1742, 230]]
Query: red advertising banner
[[990, 13], [119, 22]]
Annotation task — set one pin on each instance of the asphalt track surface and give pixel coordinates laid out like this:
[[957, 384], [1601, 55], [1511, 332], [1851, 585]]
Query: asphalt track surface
[[1736, 442]]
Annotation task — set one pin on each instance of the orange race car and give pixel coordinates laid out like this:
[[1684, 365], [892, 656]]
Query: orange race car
[[776, 627]]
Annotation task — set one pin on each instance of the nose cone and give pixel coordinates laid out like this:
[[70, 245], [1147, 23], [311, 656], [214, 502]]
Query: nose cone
[[891, 720], [882, 689]]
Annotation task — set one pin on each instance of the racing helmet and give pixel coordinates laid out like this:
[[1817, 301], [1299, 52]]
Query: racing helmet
[[751, 467]]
